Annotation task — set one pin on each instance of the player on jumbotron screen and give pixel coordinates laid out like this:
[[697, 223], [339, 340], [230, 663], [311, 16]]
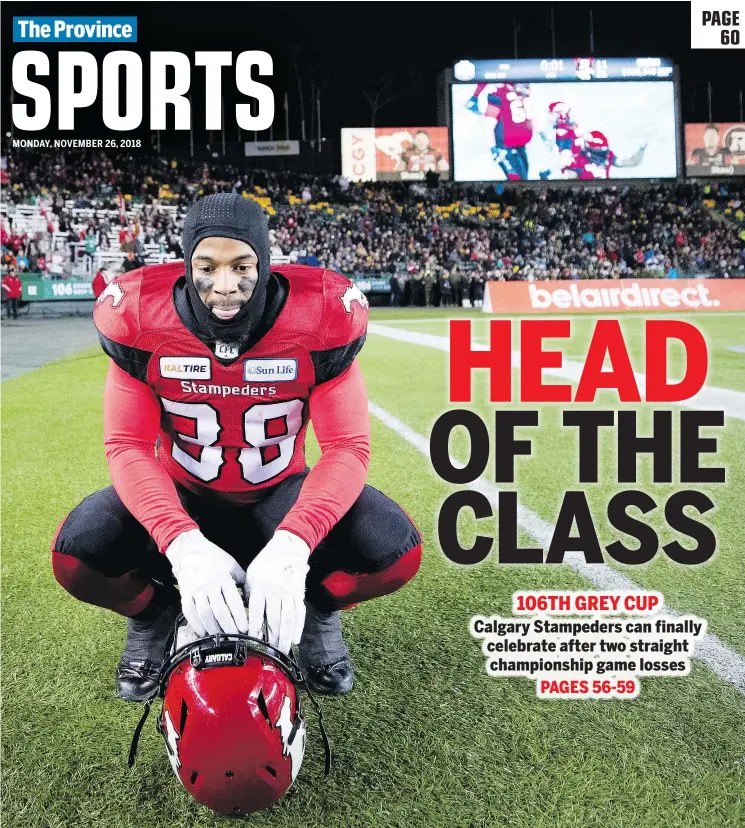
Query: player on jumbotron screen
[[593, 158], [510, 105], [412, 154], [712, 154], [566, 132]]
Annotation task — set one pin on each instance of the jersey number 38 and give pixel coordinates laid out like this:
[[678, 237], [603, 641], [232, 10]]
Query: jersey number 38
[[269, 429]]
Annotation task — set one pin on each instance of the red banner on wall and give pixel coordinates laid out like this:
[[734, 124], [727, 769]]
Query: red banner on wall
[[611, 295]]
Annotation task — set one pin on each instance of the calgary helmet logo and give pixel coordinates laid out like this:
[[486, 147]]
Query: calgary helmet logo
[[172, 743], [293, 739], [353, 294]]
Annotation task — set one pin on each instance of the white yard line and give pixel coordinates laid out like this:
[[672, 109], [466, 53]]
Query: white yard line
[[721, 659], [709, 398]]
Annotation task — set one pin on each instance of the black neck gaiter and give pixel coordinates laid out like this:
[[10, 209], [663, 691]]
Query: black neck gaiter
[[229, 216]]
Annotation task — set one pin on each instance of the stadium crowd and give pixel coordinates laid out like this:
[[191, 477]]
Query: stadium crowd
[[451, 238]]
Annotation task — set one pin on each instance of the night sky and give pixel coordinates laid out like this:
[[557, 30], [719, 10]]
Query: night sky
[[345, 47]]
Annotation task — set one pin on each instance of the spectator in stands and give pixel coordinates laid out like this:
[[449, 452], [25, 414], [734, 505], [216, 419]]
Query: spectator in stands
[[12, 291], [476, 290], [455, 286], [364, 228], [90, 249], [129, 263], [72, 240], [126, 240], [100, 280], [22, 263], [446, 289], [395, 290]]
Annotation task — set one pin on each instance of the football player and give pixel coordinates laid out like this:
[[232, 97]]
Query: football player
[[711, 154], [510, 105], [421, 157], [217, 366], [565, 128], [593, 158]]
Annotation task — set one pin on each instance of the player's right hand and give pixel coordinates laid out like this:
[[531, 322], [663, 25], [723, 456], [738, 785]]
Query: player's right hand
[[472, 104], [207, 578]]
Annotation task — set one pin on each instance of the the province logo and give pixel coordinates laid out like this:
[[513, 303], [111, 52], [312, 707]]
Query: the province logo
[[185, 368]]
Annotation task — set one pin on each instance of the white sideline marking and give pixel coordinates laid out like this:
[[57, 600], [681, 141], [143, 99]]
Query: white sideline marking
[[708, 398], [721, 659]]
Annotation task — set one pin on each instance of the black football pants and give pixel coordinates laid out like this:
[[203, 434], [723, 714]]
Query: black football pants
[[102, 555]]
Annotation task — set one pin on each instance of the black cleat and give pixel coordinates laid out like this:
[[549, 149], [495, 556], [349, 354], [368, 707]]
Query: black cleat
[[145, 651], [331, 679], [323, 655], [136, 680]]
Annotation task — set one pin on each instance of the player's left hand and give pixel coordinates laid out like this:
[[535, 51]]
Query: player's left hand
[[275, 588]]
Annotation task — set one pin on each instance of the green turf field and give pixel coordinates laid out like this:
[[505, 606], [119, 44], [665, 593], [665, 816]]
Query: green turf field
[[426, 739]]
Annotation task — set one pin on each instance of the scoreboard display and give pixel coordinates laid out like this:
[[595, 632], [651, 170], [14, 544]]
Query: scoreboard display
[[571, 69], [579, 118], [394, 153], [716, 150]]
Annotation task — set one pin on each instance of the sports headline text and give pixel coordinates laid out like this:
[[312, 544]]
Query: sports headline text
[[678, 454], [132, 91]]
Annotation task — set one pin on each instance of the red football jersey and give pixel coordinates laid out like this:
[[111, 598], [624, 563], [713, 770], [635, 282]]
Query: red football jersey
[[240, 427], [427, 161], [586, 170], [513, 110]]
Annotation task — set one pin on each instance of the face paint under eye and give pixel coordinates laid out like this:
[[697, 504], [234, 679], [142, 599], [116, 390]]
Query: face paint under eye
[[247, 283], [203, 284]]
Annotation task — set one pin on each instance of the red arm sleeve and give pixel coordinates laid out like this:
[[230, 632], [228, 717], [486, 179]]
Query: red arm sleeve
[[131, 419], [338, 411]]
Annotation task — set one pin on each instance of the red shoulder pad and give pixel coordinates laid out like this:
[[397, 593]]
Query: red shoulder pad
[[118, 312], [345, 310]]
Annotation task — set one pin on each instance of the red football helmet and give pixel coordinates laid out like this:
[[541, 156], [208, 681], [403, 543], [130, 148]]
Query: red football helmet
[[597, 146], [231, 721], [561, 112]]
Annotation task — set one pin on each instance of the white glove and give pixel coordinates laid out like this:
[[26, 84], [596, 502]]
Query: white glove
[[275, 587], [207, 578]]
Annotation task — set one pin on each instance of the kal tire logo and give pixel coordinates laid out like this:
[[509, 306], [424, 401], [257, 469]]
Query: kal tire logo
[[354, 294], [185, 368]]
